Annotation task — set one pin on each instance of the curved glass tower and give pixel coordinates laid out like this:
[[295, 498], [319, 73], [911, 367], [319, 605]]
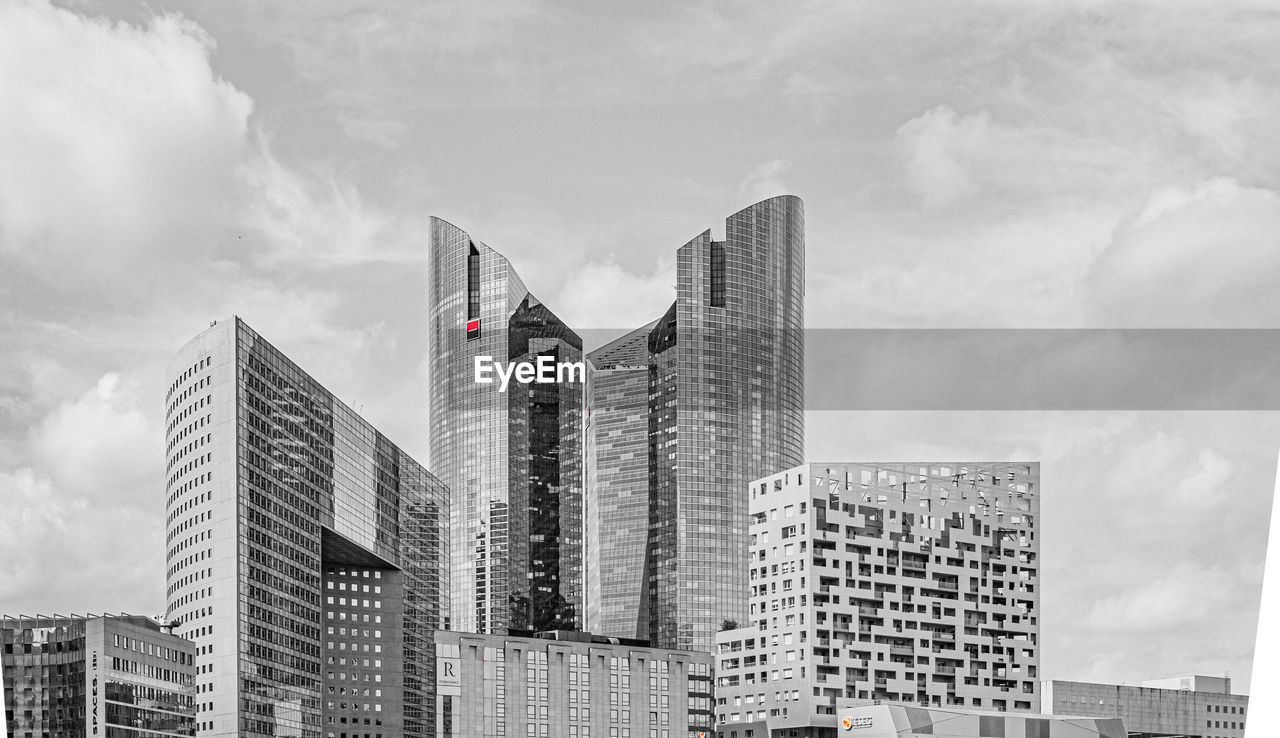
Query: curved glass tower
[[513, 458], [725, 405]]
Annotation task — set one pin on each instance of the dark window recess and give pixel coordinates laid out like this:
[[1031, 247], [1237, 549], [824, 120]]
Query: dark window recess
[[717, 274], [473, 293]]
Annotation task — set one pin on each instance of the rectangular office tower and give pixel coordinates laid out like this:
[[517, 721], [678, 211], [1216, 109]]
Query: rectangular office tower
[[307, 554], [683, 413], [911, 583], [120, 676], [511, 455]]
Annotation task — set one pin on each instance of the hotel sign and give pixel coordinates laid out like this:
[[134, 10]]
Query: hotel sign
[[448, 676]]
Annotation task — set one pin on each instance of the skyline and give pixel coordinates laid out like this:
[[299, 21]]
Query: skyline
[[993, 166]]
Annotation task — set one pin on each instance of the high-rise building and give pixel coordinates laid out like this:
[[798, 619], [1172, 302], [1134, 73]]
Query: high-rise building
[[617, 523], [307, 554], [511, 456], [121, 676], [912, 583], [1192, 706], [723, 369], [569, 685]]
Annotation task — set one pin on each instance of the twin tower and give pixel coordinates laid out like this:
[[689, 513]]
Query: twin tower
[[616, 502]]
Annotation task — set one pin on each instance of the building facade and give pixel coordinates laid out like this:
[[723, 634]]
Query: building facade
[[909, 721], [307, 554], [725, 376], [512, 458], [569, 685], [1188, 707], [617, 512], [912, 583], [119, 676]]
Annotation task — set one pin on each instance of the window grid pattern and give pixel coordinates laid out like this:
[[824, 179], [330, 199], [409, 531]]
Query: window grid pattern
[[295, 480], [912, 583], [513, 461], [726, 393]]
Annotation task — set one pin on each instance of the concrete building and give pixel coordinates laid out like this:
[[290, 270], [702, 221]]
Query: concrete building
[[512, 457], [1186, 707], [908, 721], [569, 685], [696, 405], [121, 676], [913, 583], [306, 552]]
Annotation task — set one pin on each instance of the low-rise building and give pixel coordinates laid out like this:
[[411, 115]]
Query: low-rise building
[[1187, 707], [913, 583], [909, 721], [119, 676], [566, 684]]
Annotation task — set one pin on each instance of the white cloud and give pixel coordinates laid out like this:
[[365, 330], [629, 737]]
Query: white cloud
[[1224, 112], [764, 181], [939, 148], [102, 446], [116, 139], [603, 295], [1183, 594], [138, 201], [1204, 256]]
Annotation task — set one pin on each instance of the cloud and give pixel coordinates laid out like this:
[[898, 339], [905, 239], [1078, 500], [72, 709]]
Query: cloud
[[764, 181], [603, 295], [1182, 595], [1203, 256], [102, 446], [115, 138], [140, 198], [939, 148], [95, 475]]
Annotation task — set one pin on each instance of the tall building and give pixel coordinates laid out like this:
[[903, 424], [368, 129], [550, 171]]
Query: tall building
[[121, 676], [724, 373], [569, 685], [617, 525], [1188, 707], [306, 552], [511, 456], [911, 583]]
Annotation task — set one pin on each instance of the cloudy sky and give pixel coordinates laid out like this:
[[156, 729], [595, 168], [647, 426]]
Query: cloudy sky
[[990, 165]]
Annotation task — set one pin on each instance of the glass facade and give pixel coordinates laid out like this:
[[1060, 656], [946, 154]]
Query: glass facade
[[66, 677], [275, 485], [513, 460], [618, 511], [726, 393]]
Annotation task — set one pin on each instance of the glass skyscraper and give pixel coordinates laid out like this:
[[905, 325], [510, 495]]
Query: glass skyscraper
[[618, 522], [307, 554], [724, 376], [512, 459]]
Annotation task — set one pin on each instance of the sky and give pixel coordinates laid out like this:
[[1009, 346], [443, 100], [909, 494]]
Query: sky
[[1045, 164]]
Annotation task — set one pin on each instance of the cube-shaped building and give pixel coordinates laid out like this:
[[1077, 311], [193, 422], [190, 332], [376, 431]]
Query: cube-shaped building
[[902, 582]]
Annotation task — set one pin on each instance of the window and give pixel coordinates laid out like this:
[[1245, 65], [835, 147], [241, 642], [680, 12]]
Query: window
[[717, 274]]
